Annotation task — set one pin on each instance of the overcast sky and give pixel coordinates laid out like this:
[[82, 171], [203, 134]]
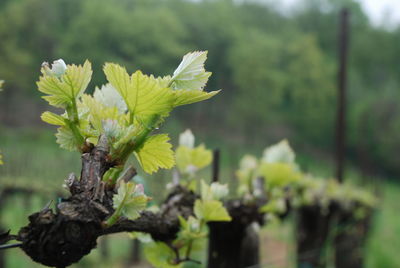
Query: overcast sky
[[380, 11]]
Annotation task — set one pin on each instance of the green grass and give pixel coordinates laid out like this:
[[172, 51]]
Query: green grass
[[384, 242]]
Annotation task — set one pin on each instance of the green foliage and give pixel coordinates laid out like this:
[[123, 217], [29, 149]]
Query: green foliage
[[160, 255], [64, 85], [211, 210], [191, 229], [215, 191], [286, 62], [278, 174], [190, 159], [129, 202], [156, 153], [207, 208], [284, 182], [126, 110], [142, 94], [279, 153]]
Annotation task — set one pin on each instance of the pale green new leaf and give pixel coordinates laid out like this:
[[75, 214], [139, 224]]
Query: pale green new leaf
[[248, 162], [215, 191], [278, 174], [62, 92], [156, 153], [142, 94], [1, 84], [162, 81], [98, 112], [196, 83], [192, 159], [183, 97], [160, 255], [110, 97], [66, 139], [190, 229], [279, 153], [53, 119], [130, 200], [127, 134], [276, 205], [190, 74], [211, 210], [134, 206]]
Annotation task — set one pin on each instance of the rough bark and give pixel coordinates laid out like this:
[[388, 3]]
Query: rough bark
[[62, 237]]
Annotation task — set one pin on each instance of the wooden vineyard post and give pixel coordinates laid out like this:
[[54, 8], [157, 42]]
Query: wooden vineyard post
[[350, 240], [232, 244], [341, 103], [312, 232], [135, 253], [103, 247]]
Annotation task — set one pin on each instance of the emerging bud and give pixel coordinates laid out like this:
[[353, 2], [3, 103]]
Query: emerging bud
[[186, 138], [58, 68], [139, 189]]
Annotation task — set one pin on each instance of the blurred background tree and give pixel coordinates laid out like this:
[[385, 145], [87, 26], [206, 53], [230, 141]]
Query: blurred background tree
[[278, 70]]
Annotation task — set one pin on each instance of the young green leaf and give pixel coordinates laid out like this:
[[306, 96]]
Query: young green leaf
[[53, 119], [67, 139], [109, 96], [278, 174], [190, 229], [130, 200], [210, 210], [97, 112], [280, 152], [142, 94], [156, 153], [64, 90], [190, 78], [190, 74], [183, 97], [189, 160], [275, 205], [162, 81], [215, 191], [160, 255]]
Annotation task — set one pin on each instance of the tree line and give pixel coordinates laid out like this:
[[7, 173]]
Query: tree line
[[278, 71]]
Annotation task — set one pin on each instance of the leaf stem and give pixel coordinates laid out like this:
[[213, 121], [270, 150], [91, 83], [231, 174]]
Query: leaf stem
[[137, 142], [117, 214], [73, 123]]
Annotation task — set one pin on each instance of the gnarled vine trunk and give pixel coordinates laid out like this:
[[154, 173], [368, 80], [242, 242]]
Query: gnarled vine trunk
[[62, 237]]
